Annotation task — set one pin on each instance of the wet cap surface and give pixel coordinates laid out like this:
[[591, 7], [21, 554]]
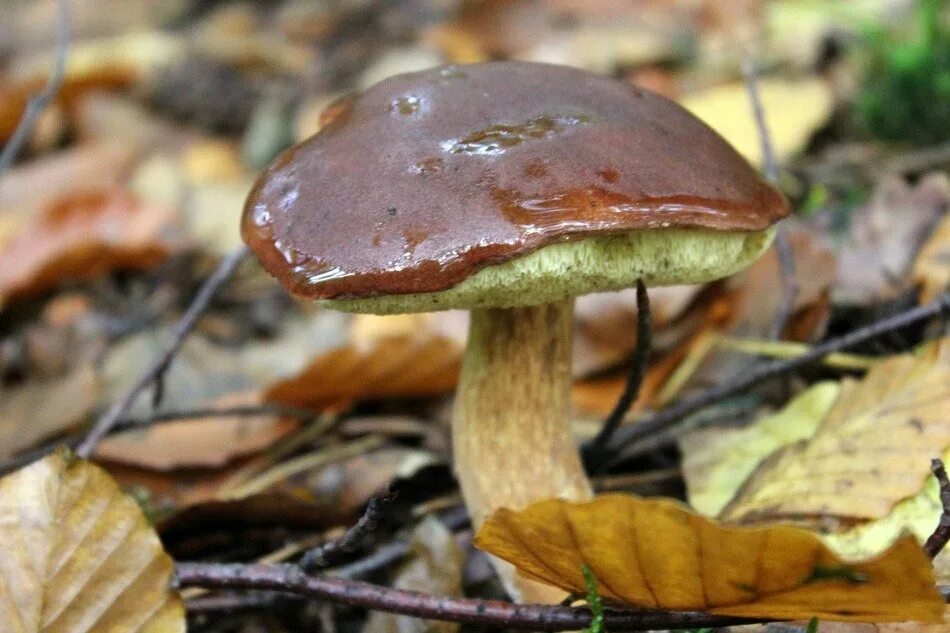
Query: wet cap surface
[[426, 178]]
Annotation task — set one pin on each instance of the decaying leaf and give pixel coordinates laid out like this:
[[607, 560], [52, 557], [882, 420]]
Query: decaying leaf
[[78, 555], [918, 515], [655, 553], [39, 410], [794, 109], [198, 442], [717, 461], [884, 236], [932, 267], [393, 366], [81, 237], [435, 567], [872, 450]]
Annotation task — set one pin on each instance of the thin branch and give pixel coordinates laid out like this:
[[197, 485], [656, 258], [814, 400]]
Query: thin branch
[[770, 167], [534, 617], [38, 102], [662, 420], [941, 533], [635, 374], [323, 556], [181, 331]]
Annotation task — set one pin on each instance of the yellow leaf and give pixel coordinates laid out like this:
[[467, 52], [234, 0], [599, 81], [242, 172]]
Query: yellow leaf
[[717, 461], [932, 267], [872, 450], [655, 553], [78, 555], [794, 110], [918, 515]]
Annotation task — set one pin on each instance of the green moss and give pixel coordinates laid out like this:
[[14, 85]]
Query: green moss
[[906, 93], [662, 257]]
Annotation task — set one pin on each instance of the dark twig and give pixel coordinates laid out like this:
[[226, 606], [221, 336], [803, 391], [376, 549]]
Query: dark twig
[[666, 418], [941, 533], [181, 331], [38, 102], [291, 579], [635, 374], [770, 168], [323, 555]]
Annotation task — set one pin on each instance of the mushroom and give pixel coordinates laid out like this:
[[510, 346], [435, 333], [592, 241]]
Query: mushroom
[[507, 188]]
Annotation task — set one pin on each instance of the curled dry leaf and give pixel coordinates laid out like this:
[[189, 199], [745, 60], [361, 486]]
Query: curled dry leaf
[[871, 450], [655, 553], [79, 555], [83, 236]]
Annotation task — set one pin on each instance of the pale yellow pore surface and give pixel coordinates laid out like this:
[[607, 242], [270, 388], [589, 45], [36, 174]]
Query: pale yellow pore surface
[[511, 433], [661, 257]]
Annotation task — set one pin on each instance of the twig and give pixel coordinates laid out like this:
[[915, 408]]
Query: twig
[[770, 168], [635, 374], [291, 579], [38, 102], [323, 556], [941, 533], [181, 331], [666, 418]]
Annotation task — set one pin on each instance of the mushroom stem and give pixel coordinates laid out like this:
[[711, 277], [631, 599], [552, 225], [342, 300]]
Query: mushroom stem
[[511, 431]]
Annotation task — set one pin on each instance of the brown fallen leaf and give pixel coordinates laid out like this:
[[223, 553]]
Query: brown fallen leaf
[[28, 188], [39, 410], [879, 247], [932, 267], [388, 367], [654, 553], [81, 237], [871, 450], [87, 558], [199, 442]]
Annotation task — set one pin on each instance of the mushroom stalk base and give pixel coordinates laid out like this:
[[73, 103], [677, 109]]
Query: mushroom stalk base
[[511, 428]]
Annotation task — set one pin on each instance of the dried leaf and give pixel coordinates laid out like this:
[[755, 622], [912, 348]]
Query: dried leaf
[[86, 557], [436, 568], [717, 461], [794, 109], [884, 236], [199, 442], [655, 553], [918, 515], [81, 237], [388, 366], [872, 450], [37, 411], [932, 268]]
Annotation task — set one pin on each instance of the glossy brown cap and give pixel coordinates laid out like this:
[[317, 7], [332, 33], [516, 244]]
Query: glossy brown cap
[[428, 177]]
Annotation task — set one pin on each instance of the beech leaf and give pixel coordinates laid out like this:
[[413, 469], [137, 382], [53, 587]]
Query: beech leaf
[[655, 553], [871, 450], [78, 555]]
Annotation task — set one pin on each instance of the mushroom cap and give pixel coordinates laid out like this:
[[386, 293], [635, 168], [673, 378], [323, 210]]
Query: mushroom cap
[[427, 180]]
